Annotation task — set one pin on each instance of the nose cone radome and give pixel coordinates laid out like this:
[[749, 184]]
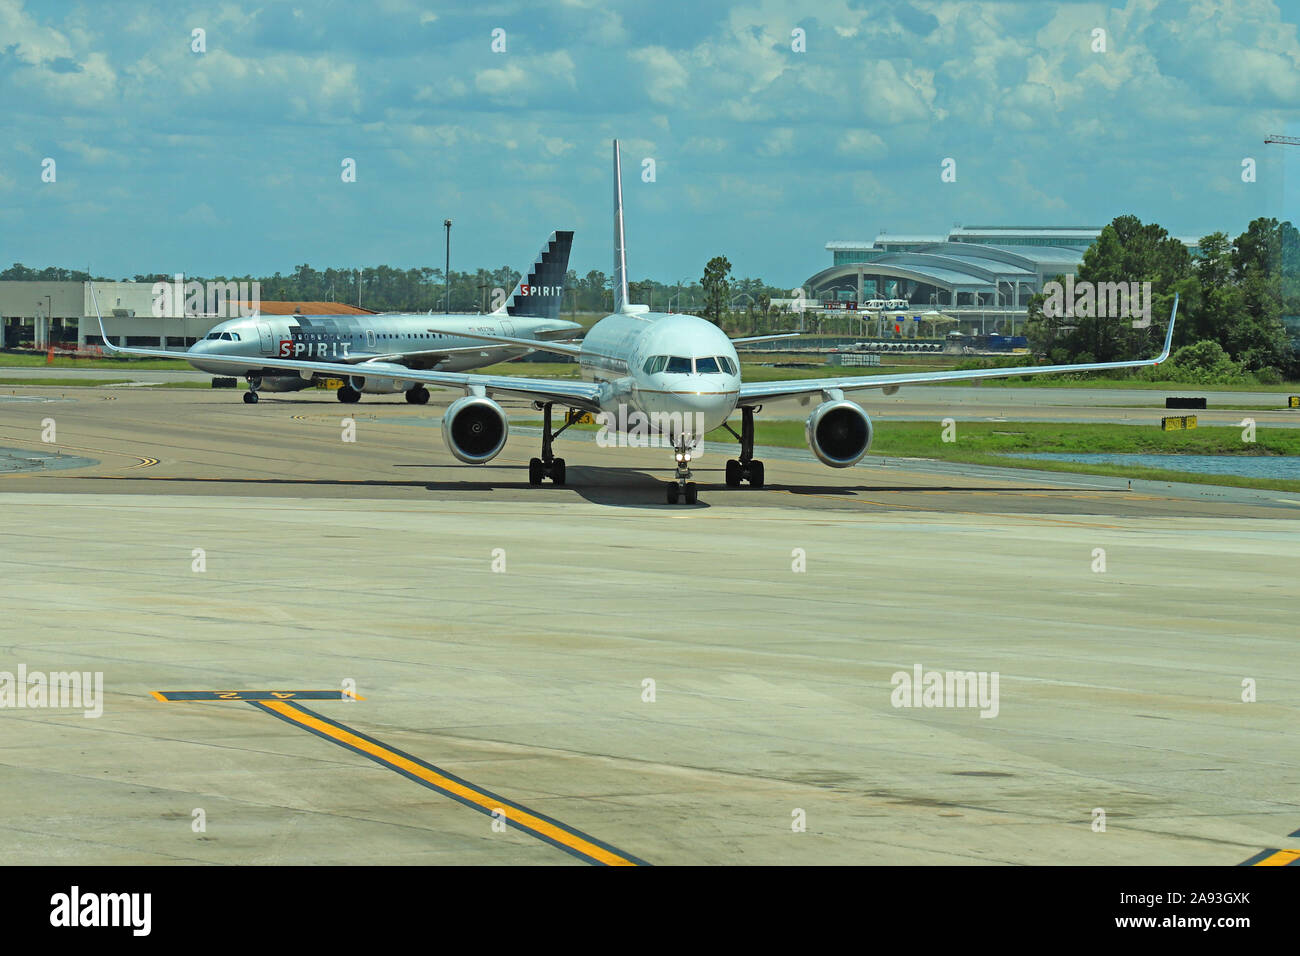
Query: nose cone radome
[[708, 398]]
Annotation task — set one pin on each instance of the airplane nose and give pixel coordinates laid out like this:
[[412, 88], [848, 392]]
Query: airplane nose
[[711, 401]]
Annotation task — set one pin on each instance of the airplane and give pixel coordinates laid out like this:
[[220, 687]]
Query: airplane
[[678, 372], [381, 345]]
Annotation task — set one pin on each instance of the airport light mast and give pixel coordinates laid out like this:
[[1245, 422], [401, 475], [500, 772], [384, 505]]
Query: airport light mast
[[446, 270]]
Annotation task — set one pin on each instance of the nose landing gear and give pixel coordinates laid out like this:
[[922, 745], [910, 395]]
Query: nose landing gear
[[254, 383], [682, 487]]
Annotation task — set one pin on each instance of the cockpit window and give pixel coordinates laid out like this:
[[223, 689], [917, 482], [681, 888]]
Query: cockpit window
[[706, 364], [225, 336], [677, 363], [213, 335], [726, 365]]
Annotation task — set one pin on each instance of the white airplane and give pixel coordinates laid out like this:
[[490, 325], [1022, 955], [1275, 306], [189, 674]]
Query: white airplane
[[378, 346], [677, 375]]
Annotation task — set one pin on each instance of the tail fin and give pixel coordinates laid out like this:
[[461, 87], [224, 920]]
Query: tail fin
[[620, 253], [540, 293]]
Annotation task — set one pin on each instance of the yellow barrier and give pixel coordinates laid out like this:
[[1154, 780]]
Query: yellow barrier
[[575, 417], [1293, 401], [1177, 423], [330, 383]]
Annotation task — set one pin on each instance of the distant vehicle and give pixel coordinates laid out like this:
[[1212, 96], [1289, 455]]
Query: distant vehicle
[[875, 305], [898, 304]]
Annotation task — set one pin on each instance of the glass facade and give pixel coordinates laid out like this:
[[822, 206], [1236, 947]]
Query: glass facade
[[1022, 241], [847, 258]]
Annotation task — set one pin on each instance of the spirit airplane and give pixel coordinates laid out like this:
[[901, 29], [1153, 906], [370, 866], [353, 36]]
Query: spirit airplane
[[382, 347], [679, 371]]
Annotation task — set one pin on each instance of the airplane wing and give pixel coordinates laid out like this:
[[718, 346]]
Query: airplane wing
[[765, 338], [585, 395], [758, 392], [429, 356], [560, 348]]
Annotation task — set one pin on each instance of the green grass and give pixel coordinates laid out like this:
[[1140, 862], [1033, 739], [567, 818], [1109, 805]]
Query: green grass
[[93, 383], [984, 443], [1098, 381], [55, 382], [13, 360]]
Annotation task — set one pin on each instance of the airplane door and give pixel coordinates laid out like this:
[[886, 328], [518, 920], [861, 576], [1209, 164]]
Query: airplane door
[[507, 328], [264, 333], [370, 338]]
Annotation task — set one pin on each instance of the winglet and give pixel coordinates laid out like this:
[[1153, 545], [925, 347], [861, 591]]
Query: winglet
[[102, 334], [620, 252], [1169, 332]]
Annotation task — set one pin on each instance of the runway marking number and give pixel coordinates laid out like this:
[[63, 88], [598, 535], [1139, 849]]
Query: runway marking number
[[250, 695]]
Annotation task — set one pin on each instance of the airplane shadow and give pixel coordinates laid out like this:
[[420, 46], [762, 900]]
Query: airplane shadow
[[610, 487]]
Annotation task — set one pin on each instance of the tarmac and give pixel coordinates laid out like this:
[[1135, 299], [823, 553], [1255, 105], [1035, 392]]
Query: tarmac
[[588, 675]]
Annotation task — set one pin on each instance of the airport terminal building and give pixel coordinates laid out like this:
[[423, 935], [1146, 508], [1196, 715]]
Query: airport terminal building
[[40, 314], [985, 274]]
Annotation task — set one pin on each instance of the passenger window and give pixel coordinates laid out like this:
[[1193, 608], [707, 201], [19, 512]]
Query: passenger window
[[679, 365], [706, 364]]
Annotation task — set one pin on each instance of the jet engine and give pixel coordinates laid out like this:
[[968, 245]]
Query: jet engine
[[839, 433], [475, 429]]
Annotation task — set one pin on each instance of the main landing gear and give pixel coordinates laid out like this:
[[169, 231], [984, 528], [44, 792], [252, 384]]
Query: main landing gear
[[681, 487], [254, 383], [746, 469], [348, 395], [418, 395], [548, 466]]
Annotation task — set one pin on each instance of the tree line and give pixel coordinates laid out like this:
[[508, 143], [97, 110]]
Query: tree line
[[387, 289], [1233, 295]]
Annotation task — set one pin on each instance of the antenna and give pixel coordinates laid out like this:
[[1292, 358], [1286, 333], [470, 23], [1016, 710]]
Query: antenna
[[620, 249]]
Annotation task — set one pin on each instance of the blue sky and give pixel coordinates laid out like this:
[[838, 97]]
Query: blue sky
[[229, 161]]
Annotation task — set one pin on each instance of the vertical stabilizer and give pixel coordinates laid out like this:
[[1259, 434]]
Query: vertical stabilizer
[[620, 253], [539, 293]]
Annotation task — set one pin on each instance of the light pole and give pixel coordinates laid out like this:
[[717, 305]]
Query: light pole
[[446, 269]]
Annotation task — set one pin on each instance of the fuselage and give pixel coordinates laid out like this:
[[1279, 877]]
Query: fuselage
[[353, 338], [678, 367]]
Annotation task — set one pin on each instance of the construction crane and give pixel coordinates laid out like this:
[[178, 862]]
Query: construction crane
[[1284, 140]]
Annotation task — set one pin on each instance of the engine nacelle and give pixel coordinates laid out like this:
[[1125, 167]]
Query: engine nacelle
[[839, 433], [475, 429], [371, 385]]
